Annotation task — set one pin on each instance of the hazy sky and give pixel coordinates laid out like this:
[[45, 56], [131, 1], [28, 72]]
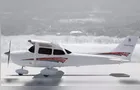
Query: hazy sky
[[123, 13], [125, 5]]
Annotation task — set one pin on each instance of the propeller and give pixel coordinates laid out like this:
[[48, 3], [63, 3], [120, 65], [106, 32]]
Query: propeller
[[8, 53]]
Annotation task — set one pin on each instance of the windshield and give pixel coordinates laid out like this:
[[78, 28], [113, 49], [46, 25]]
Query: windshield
[[32, 49], [68, 52]]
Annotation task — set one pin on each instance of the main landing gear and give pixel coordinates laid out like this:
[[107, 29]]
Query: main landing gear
[[21, 71], [45, 72], [48, 71]]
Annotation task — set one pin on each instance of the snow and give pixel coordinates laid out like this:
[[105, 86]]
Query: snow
[[74, 76]]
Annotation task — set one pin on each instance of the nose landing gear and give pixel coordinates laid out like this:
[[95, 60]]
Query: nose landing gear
[[21, 71], [48, 71]]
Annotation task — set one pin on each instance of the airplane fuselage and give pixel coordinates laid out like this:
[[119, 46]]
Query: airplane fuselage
[[25, 58]]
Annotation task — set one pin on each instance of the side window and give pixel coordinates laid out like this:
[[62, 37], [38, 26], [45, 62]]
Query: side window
[[32, 49], [58, 52], [45, 51]]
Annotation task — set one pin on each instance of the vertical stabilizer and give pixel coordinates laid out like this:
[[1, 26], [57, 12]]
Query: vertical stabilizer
[[126, 48]]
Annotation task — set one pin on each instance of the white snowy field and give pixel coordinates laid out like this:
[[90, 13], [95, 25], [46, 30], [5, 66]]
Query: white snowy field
[[71, 76], [74, 76]]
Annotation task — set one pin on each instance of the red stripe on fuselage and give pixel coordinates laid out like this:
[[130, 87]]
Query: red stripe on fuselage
[[57, 59], [116, 53]]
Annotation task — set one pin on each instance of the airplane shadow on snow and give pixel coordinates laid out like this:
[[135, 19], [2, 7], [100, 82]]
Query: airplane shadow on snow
[[37, 80], [40, 80], [55, 80]]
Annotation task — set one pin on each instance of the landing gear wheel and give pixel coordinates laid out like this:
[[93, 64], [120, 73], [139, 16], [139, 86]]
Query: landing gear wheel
[[45, 75], [21, 71], [20, 74]]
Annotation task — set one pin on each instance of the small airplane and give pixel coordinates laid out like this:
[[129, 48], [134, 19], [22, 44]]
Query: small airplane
[[50, 55]]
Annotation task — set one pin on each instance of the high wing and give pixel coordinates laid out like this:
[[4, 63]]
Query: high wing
[[45, 44]]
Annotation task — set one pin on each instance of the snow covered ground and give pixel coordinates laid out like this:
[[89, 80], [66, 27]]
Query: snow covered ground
[[74, 76], [71, 76]]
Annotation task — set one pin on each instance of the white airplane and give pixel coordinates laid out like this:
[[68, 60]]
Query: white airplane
[[50, 55]]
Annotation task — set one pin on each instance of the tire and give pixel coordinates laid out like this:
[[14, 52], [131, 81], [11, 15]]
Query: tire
[[45, 75], [20, 74]]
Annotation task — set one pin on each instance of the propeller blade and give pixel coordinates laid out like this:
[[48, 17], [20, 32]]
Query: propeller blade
[[9, 46], [8, 53], [8, 58]]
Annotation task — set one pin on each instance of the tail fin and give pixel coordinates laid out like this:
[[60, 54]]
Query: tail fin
[[126, 48]]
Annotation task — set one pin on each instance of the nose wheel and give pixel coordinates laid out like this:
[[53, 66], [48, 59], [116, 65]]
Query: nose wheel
[[21, 71]]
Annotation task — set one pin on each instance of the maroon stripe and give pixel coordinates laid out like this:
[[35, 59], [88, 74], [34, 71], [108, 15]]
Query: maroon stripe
[[57, 59], [116, 53]]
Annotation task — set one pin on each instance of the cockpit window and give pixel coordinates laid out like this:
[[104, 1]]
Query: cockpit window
[[68, 52], [32, 49], [41, 50], [58, 52], [45, 51], [49, 51]]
